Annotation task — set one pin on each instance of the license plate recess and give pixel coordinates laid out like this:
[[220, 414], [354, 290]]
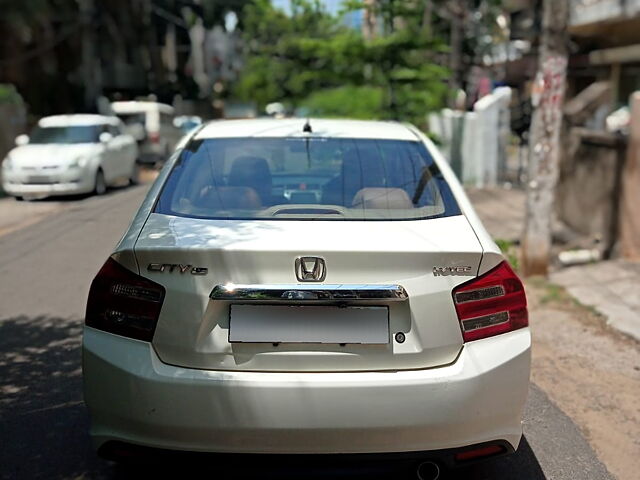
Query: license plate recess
[[309, 324]]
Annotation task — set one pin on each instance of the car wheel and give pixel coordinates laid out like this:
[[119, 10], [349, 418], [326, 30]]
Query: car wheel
[[19, 198], [100, 184]]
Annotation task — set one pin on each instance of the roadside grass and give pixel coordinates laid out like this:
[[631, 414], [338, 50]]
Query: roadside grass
[[548, 294], [552, 294], [544, 294], [510, 250]]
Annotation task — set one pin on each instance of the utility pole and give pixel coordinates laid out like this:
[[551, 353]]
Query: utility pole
[[544, 138]]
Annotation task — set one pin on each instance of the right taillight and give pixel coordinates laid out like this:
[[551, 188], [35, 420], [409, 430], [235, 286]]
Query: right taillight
[[491, 304], [124, 303]]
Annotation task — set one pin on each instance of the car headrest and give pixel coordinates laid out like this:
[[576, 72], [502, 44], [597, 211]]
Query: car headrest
[[253, 172], [382, 198]]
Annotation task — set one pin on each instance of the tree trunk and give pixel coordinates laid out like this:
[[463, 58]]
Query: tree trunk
[[156, 77], [544, 138], [427, 15], [370, 24], [455, 56], [90, 58]]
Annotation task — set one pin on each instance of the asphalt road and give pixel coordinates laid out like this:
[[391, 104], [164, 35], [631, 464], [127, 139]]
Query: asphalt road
[[45, 272]]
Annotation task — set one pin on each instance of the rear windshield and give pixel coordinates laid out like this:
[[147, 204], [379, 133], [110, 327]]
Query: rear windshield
[[306, 179]]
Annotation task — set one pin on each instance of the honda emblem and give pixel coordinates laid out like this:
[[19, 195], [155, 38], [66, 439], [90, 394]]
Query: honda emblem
[[310, 269]]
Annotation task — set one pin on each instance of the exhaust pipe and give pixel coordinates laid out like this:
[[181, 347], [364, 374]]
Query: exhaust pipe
[[428, 471]]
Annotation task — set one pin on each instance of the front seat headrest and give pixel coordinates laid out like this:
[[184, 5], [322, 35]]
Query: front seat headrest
[[252, 172]]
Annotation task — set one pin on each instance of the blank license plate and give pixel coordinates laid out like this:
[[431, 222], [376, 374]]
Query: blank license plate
[[308, 324], [39, 179]]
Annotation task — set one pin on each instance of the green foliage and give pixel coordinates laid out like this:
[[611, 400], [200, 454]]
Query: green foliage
[[9, 94], [553, 294], [350, 101], [509, 249], [310, 59]]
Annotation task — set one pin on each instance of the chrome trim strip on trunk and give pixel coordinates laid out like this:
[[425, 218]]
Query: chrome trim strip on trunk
[[309, 293]]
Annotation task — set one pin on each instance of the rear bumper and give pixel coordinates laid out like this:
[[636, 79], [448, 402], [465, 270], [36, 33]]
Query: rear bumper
[[61, 184], [135, 398], [152, 153], [47, 190], [150, 158]]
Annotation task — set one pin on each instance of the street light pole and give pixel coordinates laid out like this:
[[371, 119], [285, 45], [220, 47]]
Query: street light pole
[[544, 138]]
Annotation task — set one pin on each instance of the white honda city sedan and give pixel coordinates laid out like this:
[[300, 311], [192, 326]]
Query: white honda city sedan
[[70, 154], [319, 287]]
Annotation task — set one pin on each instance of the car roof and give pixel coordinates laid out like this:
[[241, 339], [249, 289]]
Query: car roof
[[293, 127], [77, 120], [139, 106]]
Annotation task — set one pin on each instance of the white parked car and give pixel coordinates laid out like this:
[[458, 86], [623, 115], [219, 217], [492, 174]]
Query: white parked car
[[321, 288], [70, 154], [152, 125]]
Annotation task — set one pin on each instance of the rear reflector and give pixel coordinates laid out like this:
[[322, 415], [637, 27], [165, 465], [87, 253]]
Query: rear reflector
[[124, 303], [491, 304], [478, 453]]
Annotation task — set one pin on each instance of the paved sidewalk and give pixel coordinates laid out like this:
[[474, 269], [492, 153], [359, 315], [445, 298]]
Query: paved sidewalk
[[501, 211], [611, 287]]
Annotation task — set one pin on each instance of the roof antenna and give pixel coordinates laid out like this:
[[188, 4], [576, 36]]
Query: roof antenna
[[307, 127]]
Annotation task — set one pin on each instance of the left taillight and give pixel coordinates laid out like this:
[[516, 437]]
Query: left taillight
[[491, 304], [124, 303]]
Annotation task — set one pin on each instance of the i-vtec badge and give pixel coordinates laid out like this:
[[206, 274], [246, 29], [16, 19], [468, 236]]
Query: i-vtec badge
[[462, 270], [177, 267]]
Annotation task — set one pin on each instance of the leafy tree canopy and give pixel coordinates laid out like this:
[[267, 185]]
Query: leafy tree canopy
[[311, 59]]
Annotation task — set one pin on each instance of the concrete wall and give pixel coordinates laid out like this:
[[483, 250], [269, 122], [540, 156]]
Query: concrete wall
[[589, 185], [475, 142], [592, 11]]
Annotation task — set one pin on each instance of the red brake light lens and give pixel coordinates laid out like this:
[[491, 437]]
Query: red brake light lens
[[491, 304], [124, 303], [482, 452]]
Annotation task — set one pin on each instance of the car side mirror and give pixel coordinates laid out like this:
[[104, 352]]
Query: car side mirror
[[22, 140], [105, 137]]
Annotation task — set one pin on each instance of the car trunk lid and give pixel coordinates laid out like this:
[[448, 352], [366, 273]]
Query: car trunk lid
[[194, 258]]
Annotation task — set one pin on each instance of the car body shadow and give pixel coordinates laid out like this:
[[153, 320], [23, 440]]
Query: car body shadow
[[43, 422], [522, 465]]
